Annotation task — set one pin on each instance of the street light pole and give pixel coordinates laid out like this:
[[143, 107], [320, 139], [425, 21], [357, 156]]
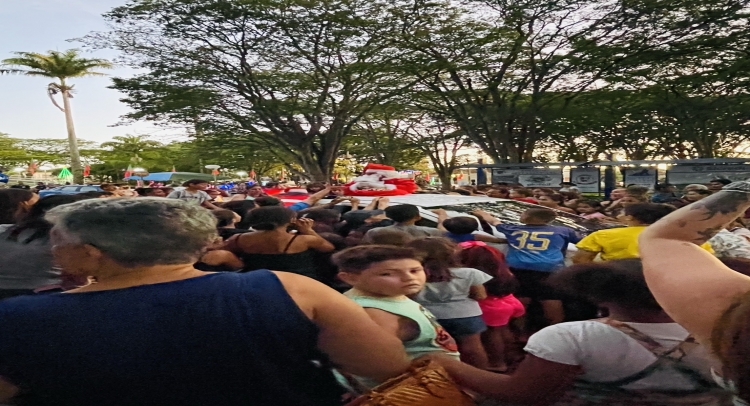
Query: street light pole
[[214, 170]]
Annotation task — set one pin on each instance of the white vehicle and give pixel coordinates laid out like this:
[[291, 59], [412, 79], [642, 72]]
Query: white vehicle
[[508, 211]]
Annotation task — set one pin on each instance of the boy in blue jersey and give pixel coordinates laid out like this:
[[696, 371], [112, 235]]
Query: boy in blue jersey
[[536, 250]]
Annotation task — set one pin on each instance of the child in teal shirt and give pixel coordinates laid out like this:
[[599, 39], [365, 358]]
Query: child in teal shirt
[[381, 278]]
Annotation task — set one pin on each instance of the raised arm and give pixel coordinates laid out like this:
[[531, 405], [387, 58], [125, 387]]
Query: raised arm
[[692, 286], [491, 220], [314, 241], [315, 198], [442, 215]]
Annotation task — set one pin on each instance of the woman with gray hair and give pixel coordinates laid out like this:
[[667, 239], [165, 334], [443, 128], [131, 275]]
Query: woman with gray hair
[[153, 330]]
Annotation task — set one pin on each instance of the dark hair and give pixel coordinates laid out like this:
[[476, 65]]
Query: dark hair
[[660, 187], [461, 225], [389, 236], [269, 218], [523, 191], [339, 243], [224, 217], [266, 201], [358, 259], [439, 257], [556, 197], [722, 181], [492, 262], [34, 218], [619, 281], [543, 215], [315, 185], [593, 203], [701, 192], [240, 207], [10, 204], [194, 182], [144, 191], [402, 212], [461, 191], [637, 190], [648, 213], [325, 216]]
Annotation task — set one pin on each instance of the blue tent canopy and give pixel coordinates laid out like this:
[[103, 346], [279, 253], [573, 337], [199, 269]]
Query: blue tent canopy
[[173, 176]]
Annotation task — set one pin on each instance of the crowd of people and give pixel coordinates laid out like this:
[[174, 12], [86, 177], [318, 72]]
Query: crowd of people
[[197, 296]]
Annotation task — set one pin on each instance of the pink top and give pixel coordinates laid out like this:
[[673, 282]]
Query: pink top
[[594, 215]]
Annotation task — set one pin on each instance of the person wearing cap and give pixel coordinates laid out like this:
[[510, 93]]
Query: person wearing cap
[[664, 193]]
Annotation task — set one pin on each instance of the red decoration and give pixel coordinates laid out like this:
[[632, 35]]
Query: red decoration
[[378, 167], [87, 170]]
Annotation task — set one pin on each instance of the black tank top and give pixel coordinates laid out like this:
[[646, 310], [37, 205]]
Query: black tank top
[[302, 263], [223, 339]]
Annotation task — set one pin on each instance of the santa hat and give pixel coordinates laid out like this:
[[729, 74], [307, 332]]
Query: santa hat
[[378, 167]]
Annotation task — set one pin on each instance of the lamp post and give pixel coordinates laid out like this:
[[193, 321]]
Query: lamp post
[[140, 172], [214, 170]]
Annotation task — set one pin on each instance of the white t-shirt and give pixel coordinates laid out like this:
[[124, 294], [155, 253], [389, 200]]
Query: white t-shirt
[[198, 197], [450, 300], [607, 354], [730, 245]]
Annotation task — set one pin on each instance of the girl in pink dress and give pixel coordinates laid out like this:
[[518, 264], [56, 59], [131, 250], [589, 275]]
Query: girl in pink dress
[[500, 306]]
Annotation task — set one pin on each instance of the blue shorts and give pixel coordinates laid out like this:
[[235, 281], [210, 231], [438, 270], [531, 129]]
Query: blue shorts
[[464, 326]]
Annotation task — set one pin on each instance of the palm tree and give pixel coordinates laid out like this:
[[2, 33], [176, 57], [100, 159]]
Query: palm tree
[[61, 66]]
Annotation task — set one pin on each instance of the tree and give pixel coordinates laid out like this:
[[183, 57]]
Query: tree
[[420, 135], [503, 76], [442, 142], [113, 157], [380, 137], [11, 152], [61, 66], [295, 76]]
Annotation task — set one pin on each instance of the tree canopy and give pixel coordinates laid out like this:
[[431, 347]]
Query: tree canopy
[[523, 80]]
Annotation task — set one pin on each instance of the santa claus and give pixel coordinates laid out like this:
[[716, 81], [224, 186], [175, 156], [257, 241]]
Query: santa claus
[[381, 180]]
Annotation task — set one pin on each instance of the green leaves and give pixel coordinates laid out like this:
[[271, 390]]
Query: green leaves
[[523, 80], [55, 64]]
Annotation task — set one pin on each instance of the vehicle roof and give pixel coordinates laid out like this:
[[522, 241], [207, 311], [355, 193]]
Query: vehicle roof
[[427, 201], [435, 200]]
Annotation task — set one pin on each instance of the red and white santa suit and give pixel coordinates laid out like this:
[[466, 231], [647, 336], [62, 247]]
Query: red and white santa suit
[[380, 180]]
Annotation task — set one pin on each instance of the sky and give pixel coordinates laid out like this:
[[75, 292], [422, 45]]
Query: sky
[[25, 109]]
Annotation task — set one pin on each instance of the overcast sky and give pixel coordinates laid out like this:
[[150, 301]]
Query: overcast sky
[[25, 109]]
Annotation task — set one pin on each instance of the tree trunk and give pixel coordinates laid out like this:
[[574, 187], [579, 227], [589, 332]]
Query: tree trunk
[[75, 155], [446, 178]]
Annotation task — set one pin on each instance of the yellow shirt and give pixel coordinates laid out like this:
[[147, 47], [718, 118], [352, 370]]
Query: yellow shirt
[[617, 243]]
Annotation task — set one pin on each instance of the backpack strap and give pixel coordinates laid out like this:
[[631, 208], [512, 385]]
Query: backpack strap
[[665, 356], [644, 340]]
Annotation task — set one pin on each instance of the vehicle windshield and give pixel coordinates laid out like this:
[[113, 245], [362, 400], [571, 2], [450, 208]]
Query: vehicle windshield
[[510, 211]]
